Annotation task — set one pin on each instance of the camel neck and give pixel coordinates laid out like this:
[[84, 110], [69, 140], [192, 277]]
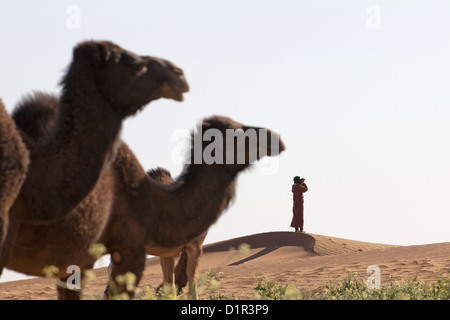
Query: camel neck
[[73, 157], [86, 123], [195, 202]]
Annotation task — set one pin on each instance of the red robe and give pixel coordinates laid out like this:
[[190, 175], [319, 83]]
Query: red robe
[[297, 209]]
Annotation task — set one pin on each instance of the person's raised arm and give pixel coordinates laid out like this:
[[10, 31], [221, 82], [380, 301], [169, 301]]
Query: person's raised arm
[[303, 187]]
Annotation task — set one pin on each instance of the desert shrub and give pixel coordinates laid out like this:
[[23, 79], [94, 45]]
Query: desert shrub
[[354, 288], [268, 290]]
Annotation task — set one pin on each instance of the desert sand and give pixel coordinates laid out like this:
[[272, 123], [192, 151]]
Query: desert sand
[[300, 259]]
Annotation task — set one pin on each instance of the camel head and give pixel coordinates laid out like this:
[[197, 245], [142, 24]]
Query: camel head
[[223, 141], [128, 81]]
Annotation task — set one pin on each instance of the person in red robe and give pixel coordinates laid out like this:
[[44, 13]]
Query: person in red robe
[[298, 188]]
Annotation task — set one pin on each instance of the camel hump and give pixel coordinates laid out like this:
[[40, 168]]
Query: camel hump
[[36, 113], [160, 175]]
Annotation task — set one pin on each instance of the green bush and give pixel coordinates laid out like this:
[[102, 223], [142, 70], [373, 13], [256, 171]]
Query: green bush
[[354, 288]]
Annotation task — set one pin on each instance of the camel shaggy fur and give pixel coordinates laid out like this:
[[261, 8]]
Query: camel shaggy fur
[[103, 85], [132, 215], [14, 161]]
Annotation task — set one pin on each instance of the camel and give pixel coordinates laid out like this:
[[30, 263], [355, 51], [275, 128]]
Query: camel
[[14, 161], [133, 215], [187, 267], [103, 85]]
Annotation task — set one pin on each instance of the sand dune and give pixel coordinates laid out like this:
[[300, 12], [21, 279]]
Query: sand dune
[[304, 260]]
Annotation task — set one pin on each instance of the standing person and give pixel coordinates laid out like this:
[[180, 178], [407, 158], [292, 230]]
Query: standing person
[[298, 188]]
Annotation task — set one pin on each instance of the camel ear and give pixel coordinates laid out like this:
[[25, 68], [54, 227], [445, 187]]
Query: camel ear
[[100, 52], [206, 124], [103, 53], [107, 52]]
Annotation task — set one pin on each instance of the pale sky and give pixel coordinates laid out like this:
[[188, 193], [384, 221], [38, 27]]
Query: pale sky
[[359, 92]]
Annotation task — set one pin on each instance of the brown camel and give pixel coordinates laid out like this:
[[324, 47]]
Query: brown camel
[[14, 161], [187, 267], [103, 85], [132, 215]]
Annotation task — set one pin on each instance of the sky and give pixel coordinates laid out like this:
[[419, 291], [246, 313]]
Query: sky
[[358, 91]]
